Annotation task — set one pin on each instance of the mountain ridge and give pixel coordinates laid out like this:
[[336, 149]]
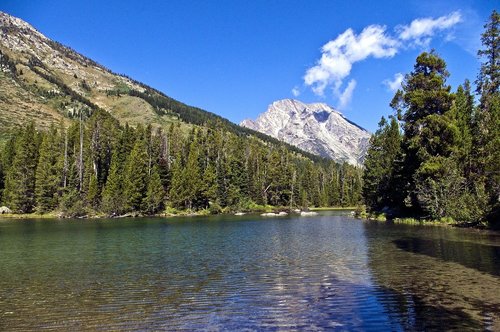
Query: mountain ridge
[[316, 127], [47, 82]]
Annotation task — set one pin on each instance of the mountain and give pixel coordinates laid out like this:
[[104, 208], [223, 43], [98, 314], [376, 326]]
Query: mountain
[[92, 162], [316, 128], [46, 82]]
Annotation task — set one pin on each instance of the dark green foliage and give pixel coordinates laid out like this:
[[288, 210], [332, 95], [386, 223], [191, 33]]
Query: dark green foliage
[[379, 178], [428, 134], [210, 183], [6, 158], [49, 172], [192, 178], [487, 129], [449, 160], [112, 194], [2, 181], [98, 165], [72, 204], [93, 192], [177, 192], [19, 193], [155, 196], [135, 177], [163, 104], [488, 82]]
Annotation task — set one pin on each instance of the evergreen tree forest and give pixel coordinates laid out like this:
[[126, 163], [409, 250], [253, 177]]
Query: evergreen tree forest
[[97, 166], [438, 157]]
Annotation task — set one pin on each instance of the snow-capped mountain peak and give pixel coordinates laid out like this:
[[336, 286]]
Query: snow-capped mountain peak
[[317, 128]]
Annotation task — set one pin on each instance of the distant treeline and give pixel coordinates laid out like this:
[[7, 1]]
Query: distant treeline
[[446, 161], [97, 165]]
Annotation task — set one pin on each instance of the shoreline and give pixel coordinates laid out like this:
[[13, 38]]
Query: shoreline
[[483, 227], [58, 215], [204, 213]]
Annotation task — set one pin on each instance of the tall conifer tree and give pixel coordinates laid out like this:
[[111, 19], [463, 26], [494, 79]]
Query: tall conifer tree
[[49, 172], [20, 178], [136, 175], [155, 195]]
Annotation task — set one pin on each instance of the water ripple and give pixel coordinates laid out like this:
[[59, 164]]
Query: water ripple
[[290, 274]]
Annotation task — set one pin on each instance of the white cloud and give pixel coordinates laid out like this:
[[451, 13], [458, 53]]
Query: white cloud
[[395, 83], [345, 97], [421, 30], [295, 91], [339, 54]]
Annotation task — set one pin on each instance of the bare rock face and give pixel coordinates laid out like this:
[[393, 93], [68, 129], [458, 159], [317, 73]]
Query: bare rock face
[[316, 128]]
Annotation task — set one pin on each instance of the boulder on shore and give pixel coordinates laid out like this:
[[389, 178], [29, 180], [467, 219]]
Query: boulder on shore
[[272, 214], [308, 213], [5, 210]]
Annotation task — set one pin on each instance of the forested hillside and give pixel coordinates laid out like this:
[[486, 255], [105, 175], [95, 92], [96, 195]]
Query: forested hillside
[[98, 166], [79, 139], [438, 157], [46, 82]]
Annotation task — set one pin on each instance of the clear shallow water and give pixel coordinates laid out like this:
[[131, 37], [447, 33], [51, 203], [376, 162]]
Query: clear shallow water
[[246, 273]]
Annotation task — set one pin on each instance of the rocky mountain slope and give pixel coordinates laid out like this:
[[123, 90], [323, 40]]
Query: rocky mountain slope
[[316, 128], [45, 82]]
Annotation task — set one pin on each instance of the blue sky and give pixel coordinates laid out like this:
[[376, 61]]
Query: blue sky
[[234, 58]]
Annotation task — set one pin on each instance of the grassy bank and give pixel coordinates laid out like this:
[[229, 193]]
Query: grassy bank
[[28, 216], [443, 222]]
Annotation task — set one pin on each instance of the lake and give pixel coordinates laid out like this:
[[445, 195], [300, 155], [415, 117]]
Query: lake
[[246, 273]]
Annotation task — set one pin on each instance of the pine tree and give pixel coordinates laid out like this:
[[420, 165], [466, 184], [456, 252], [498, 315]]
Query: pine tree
[[333, 186], [20, 178], [210, 182], [2, 181], [93, 192], [49, 172], [8, 153], [6, 158], [177, 195], [112, 194], [462, 114], [378, 178], [192, 177], [280, 176], [135, 178], [71, 201], [155, 195], [428, 136], [487, 135], [488, 82]]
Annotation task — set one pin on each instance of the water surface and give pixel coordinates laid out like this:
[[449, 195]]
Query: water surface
[[237, 273]]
